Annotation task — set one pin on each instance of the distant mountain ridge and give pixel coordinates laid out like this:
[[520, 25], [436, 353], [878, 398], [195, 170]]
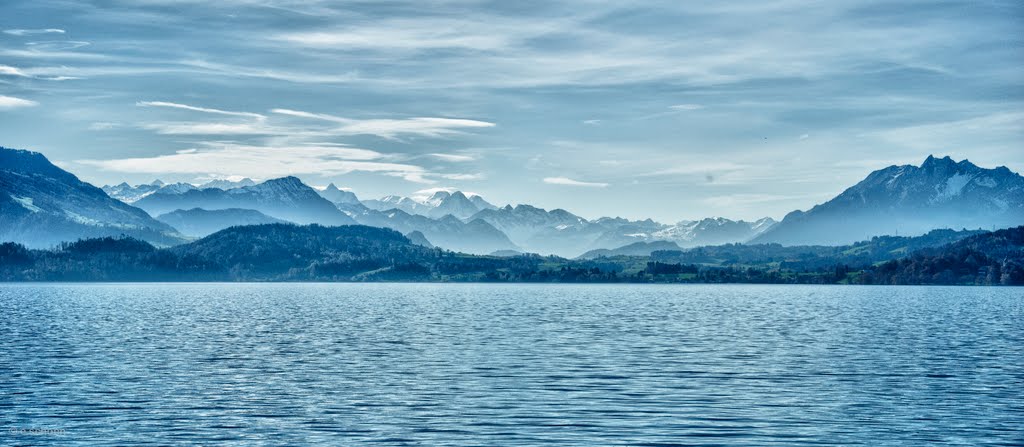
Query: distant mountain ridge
[[285, 198], [338, 196], [562, 233], [472, 236], [198, 222], [909, 200], [131, 194], [437, 205], [905, 200], [506, 229], [634, 249], [42, 205]]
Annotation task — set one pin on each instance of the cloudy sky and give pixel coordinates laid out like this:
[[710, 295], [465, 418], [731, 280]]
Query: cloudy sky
[[642, 109]]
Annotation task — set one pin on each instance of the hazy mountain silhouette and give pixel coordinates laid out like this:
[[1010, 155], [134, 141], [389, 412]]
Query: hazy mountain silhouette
[[41, 205], [198, 222], [909, 200], [284, 198]]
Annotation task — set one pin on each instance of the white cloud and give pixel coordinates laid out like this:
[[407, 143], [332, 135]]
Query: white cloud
[[28, 32], [392, 128], [8, 70], [254, 125], [199, 109], [425, 194], [591, 122], [453, 157], [310, 115], [103, 125], [462, 176], [571, 182], [270, 73], [211, 129], [804, 136], [431, 127], [686, 107], [404, 34], [10, 102], [415, 177], [228, 159], [940, 136]]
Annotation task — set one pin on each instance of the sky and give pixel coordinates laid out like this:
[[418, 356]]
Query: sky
[[663, 109]]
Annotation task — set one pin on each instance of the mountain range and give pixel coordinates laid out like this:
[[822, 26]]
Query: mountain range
[[198, 222], [287, 252], [285, 198], [130, 194], [909, 200], [41, 205]]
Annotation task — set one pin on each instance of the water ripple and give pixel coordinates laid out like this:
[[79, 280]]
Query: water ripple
[[436, 364]]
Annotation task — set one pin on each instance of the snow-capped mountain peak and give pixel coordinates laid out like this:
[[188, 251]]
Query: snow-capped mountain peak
[[227, 184], [909, 200]]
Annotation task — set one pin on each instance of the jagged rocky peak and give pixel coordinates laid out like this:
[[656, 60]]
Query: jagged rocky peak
[[283, 185], [339, 196], [285, 198], [453, 204], [290, 180]]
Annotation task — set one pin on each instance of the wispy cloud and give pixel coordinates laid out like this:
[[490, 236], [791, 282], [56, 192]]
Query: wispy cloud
[[7, 70], [462, 176], [254, 123], [392, 128], [199, 109], [683, 107], [29, 32], [270, 72], [571, 182], [10, 102], [403, 34], [453, 157], [228, 159], [200, 128], [103, 125], [945, 135]]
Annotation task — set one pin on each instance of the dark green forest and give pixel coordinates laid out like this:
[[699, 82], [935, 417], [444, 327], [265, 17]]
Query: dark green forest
[[282, 252]]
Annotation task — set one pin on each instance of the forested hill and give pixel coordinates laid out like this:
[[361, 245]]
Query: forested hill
[[285, 252], [269, 252], [995, 258]]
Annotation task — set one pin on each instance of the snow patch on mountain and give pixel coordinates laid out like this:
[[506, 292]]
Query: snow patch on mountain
[[952, 188], [26, 202]]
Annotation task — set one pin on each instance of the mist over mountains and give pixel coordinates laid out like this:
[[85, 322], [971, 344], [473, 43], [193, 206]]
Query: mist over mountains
[[41, 205], [909, 200]]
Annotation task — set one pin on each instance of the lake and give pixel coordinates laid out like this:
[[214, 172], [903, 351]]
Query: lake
[[523, 364]]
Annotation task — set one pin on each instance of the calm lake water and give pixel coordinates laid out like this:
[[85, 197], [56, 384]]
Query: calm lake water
[[436, 364]]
